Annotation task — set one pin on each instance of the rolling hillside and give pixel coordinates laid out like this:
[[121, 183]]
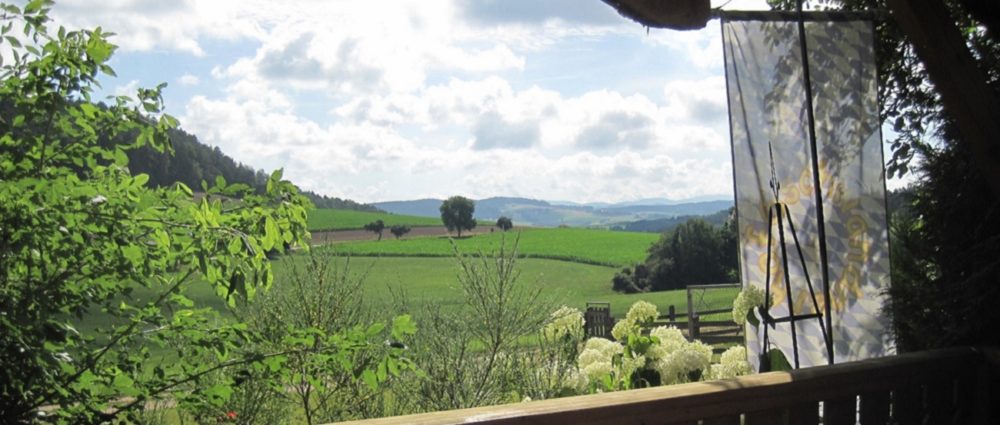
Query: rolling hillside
[[533, 212]]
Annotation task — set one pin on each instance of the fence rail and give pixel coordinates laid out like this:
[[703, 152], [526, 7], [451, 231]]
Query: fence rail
[[953, 386]]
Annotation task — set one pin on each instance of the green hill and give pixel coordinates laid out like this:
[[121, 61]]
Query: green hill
[[589, 246], [193, 162], [341, 219]]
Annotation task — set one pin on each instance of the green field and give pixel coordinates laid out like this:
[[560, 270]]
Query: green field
[[331, 219], [435, 281], [587, 246]]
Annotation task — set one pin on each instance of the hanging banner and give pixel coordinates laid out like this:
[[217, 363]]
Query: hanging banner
[[770, 136]]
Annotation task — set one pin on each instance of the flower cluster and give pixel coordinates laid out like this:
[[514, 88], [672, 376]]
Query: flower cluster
[[566, 323], [641, 313], [670, 339], [596, 361], [750, 297], [663, 357], [733, 363], [675, 359]]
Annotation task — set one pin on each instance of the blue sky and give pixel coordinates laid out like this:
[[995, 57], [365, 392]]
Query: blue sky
[[374, 101]]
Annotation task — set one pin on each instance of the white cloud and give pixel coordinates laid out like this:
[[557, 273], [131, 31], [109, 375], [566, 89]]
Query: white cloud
[[144, 25], [128, 89], [428, 98], [700, 102], [188, 80]]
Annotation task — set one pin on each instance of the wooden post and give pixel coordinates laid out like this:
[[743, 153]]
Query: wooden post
[[967, 98], [691, 315], [804, 414], [671, 314], [840, 411], [694, 327], [874, 408]]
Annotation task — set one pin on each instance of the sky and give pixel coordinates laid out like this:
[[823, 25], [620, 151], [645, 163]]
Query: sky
[[395, 100]]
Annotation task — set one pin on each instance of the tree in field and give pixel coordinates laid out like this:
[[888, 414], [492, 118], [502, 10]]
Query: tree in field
[[399, 230], [505, 223], [456, 214], [83, 239], [376, 227]]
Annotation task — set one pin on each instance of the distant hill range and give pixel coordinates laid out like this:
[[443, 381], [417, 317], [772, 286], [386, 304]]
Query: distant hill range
[[193, 162], [654, 216]]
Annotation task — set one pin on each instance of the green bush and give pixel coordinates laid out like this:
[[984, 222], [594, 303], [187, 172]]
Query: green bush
[[80, 236]]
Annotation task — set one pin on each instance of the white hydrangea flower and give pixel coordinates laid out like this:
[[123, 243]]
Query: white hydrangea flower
[[565, 321], [622, 329], [595, 359], [670, 337], [591, 356], [575, 380], [642, 312], [596, 371], [750, 297], [732, 363], [734, 354], [678, 365]]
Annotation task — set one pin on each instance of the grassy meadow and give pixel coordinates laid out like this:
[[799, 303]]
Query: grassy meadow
[[333, 219], [435, 281], [587, 246], [570, 267]]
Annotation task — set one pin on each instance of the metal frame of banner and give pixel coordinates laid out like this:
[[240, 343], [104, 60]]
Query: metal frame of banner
[[821, 220], [775, 211]]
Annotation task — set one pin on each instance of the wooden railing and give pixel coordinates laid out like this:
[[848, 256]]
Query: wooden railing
[[953, 386]]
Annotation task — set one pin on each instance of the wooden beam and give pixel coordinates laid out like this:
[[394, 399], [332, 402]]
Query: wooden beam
[[765, 395], [967, 98]]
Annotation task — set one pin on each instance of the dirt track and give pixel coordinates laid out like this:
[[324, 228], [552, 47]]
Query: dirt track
[[321, 238]]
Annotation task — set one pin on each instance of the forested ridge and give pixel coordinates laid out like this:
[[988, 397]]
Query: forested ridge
[[192, 162]]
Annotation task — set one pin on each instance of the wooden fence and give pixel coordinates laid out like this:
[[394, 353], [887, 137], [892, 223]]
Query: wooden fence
[[953, 386], [692, 320]]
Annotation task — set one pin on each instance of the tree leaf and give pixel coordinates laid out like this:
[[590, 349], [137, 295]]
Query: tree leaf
[[369, 379]]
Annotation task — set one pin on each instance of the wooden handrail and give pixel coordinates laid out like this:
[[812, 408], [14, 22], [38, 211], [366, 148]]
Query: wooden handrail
[[884, 386]]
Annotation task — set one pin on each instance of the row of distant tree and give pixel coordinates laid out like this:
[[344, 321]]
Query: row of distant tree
[[457, 214], [378, 227]]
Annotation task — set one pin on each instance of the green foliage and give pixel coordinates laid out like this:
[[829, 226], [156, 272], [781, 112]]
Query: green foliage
[[318, 304], [457, 214], [694, 253], [468, 354], [399, 230], [376, 227], [588, 246], [341, 219], [944, 257], [81, 235], [505, 223]]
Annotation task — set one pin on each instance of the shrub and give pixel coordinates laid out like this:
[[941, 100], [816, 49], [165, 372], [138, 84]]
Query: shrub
[[468, 355], [320, 302]]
